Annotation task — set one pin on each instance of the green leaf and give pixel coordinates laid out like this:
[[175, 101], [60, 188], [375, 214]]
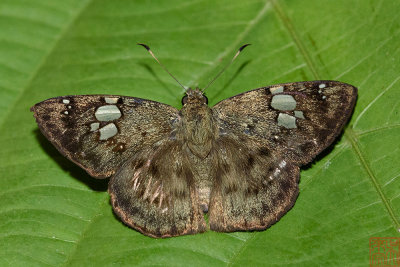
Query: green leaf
[[53, 213]]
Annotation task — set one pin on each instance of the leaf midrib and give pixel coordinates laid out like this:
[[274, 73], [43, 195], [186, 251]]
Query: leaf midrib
[[233, 47], [352, 138]]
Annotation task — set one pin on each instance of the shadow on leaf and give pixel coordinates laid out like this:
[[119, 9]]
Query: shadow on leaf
[[323, 153], [163, 84], [68, 166], [230, 81]]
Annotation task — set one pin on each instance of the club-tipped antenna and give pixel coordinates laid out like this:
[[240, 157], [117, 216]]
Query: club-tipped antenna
[[221, 71], [151, 53]]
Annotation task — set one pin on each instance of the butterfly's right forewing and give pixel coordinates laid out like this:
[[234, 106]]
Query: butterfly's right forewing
[[295, 120]]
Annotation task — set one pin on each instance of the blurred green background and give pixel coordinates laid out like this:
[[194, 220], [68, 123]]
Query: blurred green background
[[52, 213]]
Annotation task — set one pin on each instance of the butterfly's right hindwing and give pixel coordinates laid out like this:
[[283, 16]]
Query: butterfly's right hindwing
[[100, 132], [252, 189]]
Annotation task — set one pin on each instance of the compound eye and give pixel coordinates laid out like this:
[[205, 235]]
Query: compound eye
[[205, 99], [184, 100]]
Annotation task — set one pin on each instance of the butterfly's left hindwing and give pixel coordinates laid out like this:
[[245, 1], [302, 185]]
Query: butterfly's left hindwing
[[100, 132], [155, 192]]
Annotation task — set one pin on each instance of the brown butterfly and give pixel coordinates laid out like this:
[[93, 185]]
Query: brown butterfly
[[238, 161]]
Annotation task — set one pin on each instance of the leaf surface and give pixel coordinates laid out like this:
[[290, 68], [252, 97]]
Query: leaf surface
[[53, 213]]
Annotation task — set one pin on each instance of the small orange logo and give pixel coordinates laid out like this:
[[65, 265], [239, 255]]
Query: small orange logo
[[384, 251]]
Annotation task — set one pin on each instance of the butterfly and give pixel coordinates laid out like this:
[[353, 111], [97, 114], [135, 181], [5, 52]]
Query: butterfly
[[238, 161]]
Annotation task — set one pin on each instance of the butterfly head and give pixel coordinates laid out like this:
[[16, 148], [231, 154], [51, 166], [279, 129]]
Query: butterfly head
[[195, 96]]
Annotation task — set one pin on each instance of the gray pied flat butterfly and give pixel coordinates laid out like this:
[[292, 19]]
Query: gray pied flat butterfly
[[238, 161]]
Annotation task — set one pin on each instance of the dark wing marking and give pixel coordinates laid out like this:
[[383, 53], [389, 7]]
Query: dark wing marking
[[251, 190], [100, 132]]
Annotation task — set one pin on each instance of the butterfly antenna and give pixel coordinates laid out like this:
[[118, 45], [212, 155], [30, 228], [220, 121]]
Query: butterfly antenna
[[151, 53], [221, 71]]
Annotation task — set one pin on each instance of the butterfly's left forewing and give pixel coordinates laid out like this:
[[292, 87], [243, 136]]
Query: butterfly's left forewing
[[297, 120], [100, 132], [267, 134]]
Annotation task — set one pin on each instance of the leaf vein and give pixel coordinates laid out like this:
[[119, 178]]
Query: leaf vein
[[350, 135]]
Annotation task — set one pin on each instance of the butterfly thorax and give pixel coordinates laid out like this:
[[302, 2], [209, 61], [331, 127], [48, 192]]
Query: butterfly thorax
[[197, 125]]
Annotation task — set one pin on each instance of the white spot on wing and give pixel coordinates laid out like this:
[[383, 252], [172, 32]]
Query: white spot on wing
[[66, 112], [108, 131], [322, 85], [164, 210], [66, 101], [283, 102], [111, 100], [94, 126], [108, 113], [276, 90], [286, 121], [299, 114], [282, 164]]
